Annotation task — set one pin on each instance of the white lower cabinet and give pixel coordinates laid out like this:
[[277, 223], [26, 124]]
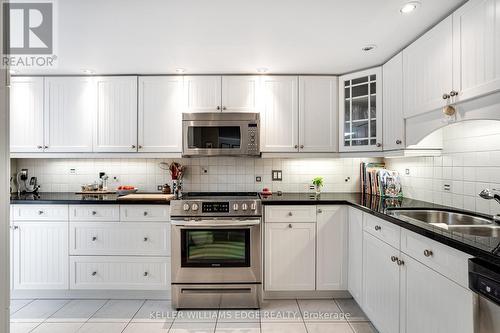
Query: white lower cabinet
[[40, 255], [432, 303], [331, 245], [290, 256], [380, 284], [355, 254], [120, 273]]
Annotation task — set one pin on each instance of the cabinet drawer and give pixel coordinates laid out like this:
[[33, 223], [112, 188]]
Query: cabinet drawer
[[154, 213], [40, 212], [385, 231], [445, 260], [94, 213], [131, 273], [134, 238], [291, 214]]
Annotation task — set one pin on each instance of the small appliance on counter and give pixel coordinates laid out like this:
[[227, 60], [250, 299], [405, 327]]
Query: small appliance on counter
[[25, 186]]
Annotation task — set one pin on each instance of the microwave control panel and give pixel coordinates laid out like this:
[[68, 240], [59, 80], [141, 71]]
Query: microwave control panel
[[253, 140]]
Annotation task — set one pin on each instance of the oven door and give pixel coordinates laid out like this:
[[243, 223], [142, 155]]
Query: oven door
[[212, 251], [212, 138]]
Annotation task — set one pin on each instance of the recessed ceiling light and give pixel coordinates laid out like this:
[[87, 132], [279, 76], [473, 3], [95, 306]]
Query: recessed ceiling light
[[262, 70], [88, 71], [409, 7], [369, 47], [180, 70]]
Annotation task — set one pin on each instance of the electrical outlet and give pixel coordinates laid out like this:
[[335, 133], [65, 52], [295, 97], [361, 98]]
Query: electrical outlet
[[159, 187], [258, 179], [204, 170], [447, 187], [407, 172], [311, 187], [277, 175]]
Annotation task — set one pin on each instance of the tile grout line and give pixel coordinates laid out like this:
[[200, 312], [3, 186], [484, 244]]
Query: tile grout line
[[301, 315], [31, 301], [92, 315], [131, 318], [43, 322]]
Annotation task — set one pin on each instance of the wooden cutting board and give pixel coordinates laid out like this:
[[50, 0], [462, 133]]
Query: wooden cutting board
[[147, 197]]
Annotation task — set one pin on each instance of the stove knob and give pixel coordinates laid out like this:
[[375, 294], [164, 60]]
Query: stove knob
[[235, 207], [194, 206], [185, 207], [244, 206], [253, 206]]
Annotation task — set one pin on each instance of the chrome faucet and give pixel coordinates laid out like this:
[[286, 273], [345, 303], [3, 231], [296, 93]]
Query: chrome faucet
[[489, 195]]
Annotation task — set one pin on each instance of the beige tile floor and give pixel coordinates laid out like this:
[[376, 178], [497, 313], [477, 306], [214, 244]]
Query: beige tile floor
[[153, 316]]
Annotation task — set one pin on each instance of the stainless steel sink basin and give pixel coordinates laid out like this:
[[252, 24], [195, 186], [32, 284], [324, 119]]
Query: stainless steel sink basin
[[456, 222]]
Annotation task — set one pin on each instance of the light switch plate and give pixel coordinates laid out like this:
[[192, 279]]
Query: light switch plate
[[277, 175]]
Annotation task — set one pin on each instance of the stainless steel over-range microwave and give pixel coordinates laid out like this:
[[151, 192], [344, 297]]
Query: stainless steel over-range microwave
[[220, 134]]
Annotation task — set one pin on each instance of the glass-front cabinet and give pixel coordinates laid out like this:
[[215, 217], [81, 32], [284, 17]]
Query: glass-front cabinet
[[360, 98]]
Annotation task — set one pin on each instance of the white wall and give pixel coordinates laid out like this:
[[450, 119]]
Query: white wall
[[470, 163], [224, 174]]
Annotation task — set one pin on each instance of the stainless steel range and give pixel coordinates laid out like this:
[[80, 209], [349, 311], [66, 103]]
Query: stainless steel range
[[216, 250]]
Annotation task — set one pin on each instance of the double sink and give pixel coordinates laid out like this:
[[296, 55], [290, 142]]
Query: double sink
[[455, 222]]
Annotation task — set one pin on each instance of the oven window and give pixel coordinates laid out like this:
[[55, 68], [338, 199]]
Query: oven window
[[215, 248], [221, 137]]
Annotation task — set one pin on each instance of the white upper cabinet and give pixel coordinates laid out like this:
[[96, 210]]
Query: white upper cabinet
[[360, 111], [160, 114], [26, 114], [116, 120], [318, 114], [279, 118], [428, 70], [393, 120], [70, 105], [476, 33], [241, 93], [202, 93], [331, 248]]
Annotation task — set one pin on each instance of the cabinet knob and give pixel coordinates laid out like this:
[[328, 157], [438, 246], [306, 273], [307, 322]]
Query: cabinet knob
[[140, 147], [45, 147], [218, 107], [428, 253], [378, 228], [15, 227], [146, 273], [290, 214], [133, 146], [394, 258], [446, 96], [453, 93], [94, 273], [320, 210], [296, 146], [94, 212], [39, 147], [379, 144], [146, 239], [94, 238], [40, 212], [398, 142], [400, 262], [224, 108], [290, 226], [145, 213], [301, 146]]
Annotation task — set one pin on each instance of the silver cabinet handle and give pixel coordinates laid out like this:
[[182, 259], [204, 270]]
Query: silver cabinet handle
[[290, 226], [146, 239], [45, 147], [224, 108], [400, 262], [146, 273], [428, 253], [133, 146], [40, 212], [378, 228], [94, 238], [394, 258], [453, 93], [296, 146], [145, 213], [94, 273], [398, 142], [39, 147], [290, 214], [15, 227], [446, 96], [218, 107], [379, 144], [94, 212], [301, 146], [140, 147]]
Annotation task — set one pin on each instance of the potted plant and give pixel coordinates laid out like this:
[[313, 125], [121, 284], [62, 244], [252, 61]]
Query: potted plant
[[318, 183]]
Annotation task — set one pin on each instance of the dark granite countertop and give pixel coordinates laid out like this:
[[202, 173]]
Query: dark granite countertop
[[487, 248], [55, 198]]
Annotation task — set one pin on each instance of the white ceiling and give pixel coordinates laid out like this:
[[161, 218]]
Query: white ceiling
[[235, 36]]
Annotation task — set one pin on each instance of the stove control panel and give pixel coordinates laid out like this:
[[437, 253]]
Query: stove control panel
[[200, 208], [214, 207]]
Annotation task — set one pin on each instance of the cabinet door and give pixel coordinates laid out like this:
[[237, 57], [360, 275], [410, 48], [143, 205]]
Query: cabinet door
[[26, 114], [476, 33], [360, 111], [380, 284], [394, 126], [240, 93], [116, 125], [355, 243], [331, 248], [445, 305], [279, 121], [290, 256], [160, 114], [318, 114], [202, 93], [427, 70], [41, 255], [69, 114]]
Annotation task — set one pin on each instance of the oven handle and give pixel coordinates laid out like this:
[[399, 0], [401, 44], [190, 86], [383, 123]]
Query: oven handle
[[214, 223]]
